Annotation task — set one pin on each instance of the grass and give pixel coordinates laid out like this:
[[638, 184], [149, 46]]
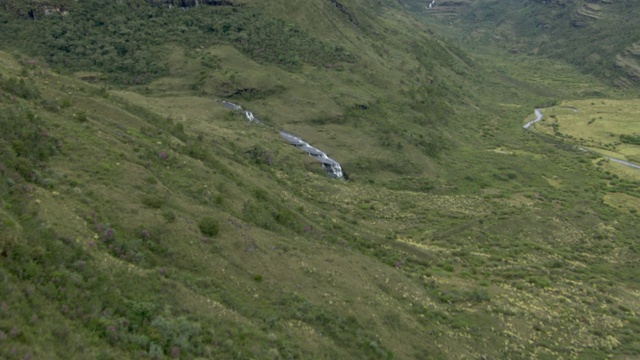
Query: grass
[[593, 38], [433, 288], [601, 125], [500, 244], [624, 201]]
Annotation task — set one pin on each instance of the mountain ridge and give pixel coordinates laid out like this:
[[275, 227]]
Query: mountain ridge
[[596, 36]]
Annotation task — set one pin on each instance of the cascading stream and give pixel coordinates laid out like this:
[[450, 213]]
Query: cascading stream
[[332, 167]]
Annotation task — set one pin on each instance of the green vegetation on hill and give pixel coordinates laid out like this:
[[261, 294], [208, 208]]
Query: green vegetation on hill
[[128, 40], [597, 37], [605, 126], [146, 220]]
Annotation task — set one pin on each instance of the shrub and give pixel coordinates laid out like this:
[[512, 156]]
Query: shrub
[[169, 216], [630, 139], [19, 87], [209, 226], [153, 201], [24, 167], [81, 116]]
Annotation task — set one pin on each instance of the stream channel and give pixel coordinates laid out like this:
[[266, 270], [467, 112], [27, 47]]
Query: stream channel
[[331, 167], [540, 116]]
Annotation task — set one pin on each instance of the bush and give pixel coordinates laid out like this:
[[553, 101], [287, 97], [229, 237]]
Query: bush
[[209, 226], [19, 88], [81, 116], [169, 216], [153, 201], [630, 139], [127, 41]]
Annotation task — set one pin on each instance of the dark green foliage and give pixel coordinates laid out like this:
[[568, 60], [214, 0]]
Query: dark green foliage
[[260, 155], [630, 139], [592, 40], [343, 330], [169, 216], [271, 214], [453, 296], [274, 41], [81, 116], [209, 226], [127, 40], [18, 87], [259, 215], [153, 201], [437, 221], [62, 277], [26, 144]]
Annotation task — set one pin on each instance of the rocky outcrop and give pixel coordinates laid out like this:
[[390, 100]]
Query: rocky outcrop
[[629, 62], [590, 11], [448, 8], [35, 10], [343, 9]]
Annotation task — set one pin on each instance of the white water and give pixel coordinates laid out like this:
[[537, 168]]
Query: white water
[[539, 117], [331, 166], [251, 118], [232, 106]]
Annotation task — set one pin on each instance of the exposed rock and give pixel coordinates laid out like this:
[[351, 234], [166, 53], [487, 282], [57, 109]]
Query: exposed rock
[[589, 11], [346, 11], [35, 10], [578, 24], [629, 62]]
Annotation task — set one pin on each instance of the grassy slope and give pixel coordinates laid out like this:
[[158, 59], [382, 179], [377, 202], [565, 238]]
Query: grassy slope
[[500, 247], [607, 127], [599, 124], [599, 38]]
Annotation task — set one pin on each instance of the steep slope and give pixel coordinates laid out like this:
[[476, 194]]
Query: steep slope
[[140, 217], [599, 37], [447, 10], [367, 79]]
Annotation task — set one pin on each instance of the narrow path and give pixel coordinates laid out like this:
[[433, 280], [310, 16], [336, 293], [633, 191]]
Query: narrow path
[[540, 116]]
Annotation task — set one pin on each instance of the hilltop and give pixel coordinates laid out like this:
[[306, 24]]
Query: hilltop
[[141, 218]]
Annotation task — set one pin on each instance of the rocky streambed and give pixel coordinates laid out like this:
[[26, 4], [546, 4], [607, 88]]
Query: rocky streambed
[[331, 167]]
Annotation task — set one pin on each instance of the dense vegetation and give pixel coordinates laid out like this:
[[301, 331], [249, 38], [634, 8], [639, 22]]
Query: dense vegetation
[[140, 218], [128, 40]]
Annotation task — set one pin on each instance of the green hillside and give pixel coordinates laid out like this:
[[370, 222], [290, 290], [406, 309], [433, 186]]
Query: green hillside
[[599, 37], [141, 218]]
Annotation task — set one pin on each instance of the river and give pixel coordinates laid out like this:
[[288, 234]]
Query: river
[[540, 116]]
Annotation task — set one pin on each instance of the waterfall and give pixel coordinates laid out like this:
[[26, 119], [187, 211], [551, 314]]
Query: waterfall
[[331, 167]]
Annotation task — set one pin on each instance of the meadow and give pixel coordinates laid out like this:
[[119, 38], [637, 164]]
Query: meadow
[[602, 125]]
